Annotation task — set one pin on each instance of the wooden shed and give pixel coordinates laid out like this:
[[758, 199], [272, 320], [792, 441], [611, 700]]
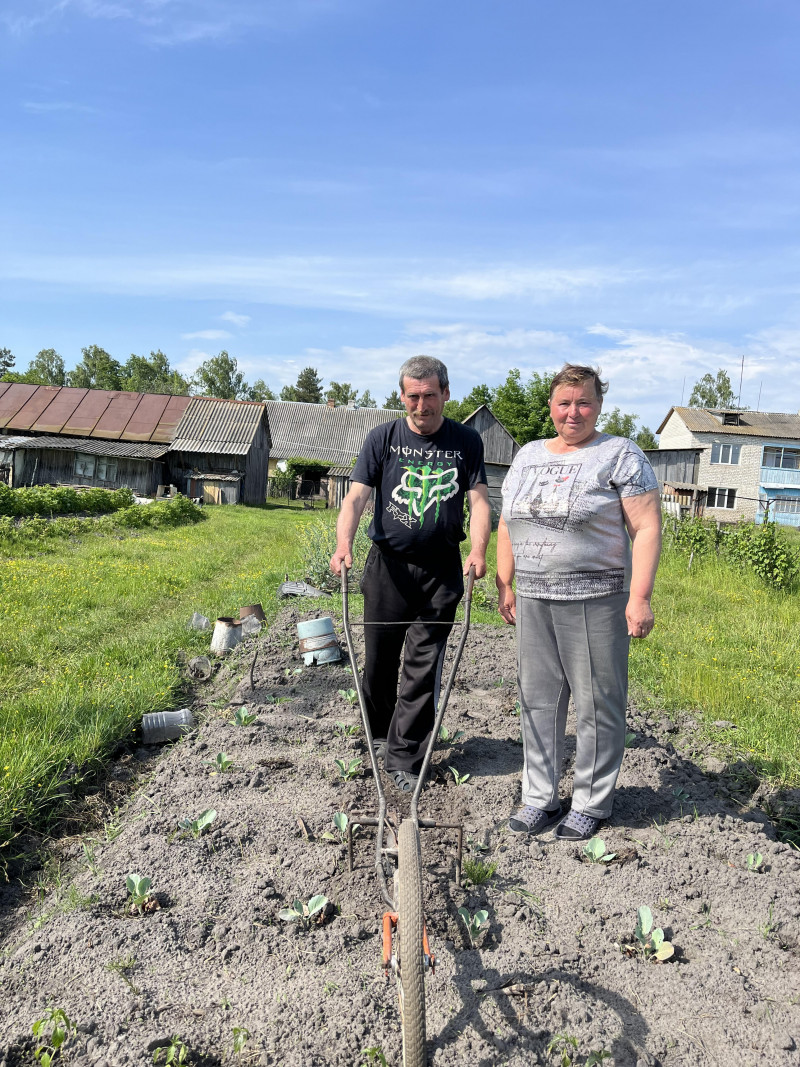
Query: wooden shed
[[51, 460], [499, 449], [223, 444]]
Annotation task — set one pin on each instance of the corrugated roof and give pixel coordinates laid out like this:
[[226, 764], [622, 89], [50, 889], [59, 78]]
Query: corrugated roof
[[316, 431], [100, 413], [218, 426], [132, 449], [340, 472], [751, 423]]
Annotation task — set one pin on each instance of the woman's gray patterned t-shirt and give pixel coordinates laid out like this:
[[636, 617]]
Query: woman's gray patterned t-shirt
[[564, 516]]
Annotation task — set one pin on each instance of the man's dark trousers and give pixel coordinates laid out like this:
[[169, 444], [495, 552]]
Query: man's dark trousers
[[396, 589]]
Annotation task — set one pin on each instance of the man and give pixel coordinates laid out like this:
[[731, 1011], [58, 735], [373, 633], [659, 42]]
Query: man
[[420, 468]]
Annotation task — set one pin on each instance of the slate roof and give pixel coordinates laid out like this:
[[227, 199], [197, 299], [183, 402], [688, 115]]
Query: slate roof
[[218, 427], [773, 424], [131, 449], [102, 413], [316, 431]]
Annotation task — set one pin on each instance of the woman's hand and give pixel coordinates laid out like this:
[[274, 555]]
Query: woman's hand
[[507, 604], [639, 615]]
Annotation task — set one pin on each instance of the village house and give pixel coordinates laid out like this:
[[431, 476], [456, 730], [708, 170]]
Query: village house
[[209, 449], [743, 464]]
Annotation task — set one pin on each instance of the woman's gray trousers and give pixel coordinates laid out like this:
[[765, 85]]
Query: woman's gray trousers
[[578, 648]]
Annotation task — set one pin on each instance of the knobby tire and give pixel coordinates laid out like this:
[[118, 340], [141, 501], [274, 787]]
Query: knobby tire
[[410, 925]]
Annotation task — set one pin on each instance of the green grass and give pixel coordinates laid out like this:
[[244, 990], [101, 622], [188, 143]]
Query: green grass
[[725, 646], [91, 631]]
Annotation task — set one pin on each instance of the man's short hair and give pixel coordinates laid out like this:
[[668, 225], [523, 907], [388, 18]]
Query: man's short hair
[[577, 374], [420, 367]]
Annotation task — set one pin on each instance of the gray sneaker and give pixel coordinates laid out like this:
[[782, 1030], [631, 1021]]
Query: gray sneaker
[[531, 820]]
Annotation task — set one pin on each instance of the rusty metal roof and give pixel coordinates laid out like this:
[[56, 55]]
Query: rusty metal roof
[[769, 424], [132, 449], [97, 413], [316, 431], [218, 426]]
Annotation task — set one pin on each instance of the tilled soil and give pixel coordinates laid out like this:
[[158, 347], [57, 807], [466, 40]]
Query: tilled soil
[[555, 960]]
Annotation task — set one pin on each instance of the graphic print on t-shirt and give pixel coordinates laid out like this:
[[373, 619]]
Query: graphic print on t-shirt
[[547, 495], [424, 487]]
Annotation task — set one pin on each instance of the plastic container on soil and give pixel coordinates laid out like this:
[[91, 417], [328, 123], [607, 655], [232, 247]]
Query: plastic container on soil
[[227, 635], [160, 726], [318, 641]]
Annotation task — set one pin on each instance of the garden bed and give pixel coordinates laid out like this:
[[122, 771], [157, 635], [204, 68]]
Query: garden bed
[[557, 960]]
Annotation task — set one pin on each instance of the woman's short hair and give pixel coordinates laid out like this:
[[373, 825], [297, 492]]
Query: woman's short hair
[[577, 374], [420, 367]]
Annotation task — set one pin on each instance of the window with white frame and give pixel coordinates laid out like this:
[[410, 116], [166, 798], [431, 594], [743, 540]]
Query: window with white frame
[[786, 505], [725, 453], [106, 469], [787, 459], [84, 465], [721, 498]]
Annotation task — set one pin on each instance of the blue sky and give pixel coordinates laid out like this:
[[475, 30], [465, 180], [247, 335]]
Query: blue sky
[[344, 183]]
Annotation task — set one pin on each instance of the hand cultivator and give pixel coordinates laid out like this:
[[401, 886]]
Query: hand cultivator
[[406, 950]]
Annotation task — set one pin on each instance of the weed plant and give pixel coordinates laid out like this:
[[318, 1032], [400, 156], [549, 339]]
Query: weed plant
[[477, 872]]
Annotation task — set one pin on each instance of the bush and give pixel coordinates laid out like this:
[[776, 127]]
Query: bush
[[760, 548], [66, 500], [318, 543], [168, 513]]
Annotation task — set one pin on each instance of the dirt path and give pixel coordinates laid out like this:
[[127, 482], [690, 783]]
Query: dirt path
[[215, 955]]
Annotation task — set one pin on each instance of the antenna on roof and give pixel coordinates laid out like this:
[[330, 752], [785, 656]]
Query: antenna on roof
[[758, 405], [683, 388], [741, 375]]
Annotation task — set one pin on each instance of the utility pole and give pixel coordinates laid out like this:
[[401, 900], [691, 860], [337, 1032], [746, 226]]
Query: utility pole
[[741, 375]]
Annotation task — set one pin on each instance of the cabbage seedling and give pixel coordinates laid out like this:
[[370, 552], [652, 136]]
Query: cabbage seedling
[[448, 738], [175, 1052], [350, 695], [347, 729], [197, 826], [60, 1027], [461, 779], [348, 768], [340, 824], [303, 913], [560, 1045], [243, 717], [651, 941], [629, 740], [222, 762], [474, 923], [138, 887], [595, 851], [755, 862], [241, 1035]]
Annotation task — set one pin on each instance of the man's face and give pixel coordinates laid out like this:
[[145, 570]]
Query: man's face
[[424, 400]]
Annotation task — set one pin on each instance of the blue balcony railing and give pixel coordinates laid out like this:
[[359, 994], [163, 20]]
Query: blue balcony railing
[[778, 476]]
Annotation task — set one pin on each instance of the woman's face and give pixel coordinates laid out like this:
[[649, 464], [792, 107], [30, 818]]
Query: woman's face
[[574, 410]]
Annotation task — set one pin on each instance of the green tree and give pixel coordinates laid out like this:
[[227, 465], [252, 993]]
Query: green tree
[[645, 438], [220, 376], [46, 368], [618, 424], [6, 361], [259, 390], [97, 370], [153, 375], [366, 400], [523, 408], [712, 392], [307, 389], [458, 410], [342, 394], [393, 402]]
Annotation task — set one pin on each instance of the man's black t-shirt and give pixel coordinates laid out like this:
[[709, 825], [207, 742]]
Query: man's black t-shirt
[[419, 481]]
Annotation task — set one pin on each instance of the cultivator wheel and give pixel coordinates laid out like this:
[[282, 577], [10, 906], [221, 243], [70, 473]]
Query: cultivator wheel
[[411, 946]]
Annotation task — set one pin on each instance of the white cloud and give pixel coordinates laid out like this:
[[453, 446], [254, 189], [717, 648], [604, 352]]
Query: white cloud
[[237, 320], [206, 335], [534, 284], [43, 107]]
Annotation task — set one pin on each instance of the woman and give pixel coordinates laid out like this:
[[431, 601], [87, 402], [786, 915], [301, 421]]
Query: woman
[[572, 507]]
